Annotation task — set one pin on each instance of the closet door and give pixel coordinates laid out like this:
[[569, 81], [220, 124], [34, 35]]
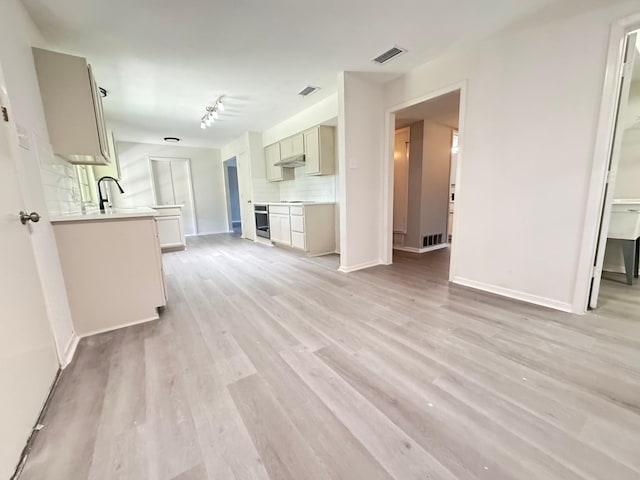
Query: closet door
[[183, 195], [162, 182], [172, 186]]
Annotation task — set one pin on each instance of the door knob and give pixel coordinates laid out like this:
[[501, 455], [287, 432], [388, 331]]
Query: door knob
[[25, 217]]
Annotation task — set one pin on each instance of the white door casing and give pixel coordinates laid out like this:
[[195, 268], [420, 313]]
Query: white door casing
[[28, 361], [245, 189], [614, 161], [401, 179]]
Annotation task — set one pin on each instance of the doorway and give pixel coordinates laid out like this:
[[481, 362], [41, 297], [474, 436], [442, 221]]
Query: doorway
[[425, 151], [172, 185], [615, 285], [233, 196]]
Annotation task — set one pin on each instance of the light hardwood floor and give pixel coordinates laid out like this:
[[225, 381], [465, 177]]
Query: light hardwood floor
[[267, 365]]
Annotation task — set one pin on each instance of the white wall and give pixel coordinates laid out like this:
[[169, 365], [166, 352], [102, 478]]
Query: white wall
[[206, 173], [38, 166], [360, 151], [436, 164], [428, 187], [317, 114], [532, 108]]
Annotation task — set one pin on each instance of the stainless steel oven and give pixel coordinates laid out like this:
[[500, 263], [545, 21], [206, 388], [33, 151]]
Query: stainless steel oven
[[262, 220]]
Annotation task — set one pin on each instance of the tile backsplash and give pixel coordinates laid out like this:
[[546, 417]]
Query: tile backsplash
[[59, 180], [309, 188]]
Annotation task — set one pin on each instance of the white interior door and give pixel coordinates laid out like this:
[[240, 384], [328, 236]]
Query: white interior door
[[401, 180], [28, 361], [245, 189], [181, 173], [614, 161], [162, 182]]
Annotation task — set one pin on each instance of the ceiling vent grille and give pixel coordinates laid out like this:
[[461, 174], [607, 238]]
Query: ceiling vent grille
[[388, 55], [308, 90]]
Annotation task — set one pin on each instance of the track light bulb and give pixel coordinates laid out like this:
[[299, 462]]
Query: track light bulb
[[208, 122], [220, 106], [203, 125], [215, 115]]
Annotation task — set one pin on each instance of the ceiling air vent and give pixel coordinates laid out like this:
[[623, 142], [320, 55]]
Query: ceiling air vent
[[388, 55], [308, 90]]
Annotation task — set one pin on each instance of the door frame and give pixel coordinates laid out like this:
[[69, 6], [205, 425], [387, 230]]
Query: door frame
[[597, 215], [406, 196], [387, 173], [153, 158], [226, 164]]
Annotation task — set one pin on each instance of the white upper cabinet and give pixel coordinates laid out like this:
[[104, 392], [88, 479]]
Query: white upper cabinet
[[292, 146], [73, 108], [272, 155], [320, 156]]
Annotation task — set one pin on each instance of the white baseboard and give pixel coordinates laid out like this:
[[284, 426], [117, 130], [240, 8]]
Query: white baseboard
[[117, 327], [360, 266], [515, 294], [200, 234], [421, 250], [70, 350], [614, 269], [263, 241]]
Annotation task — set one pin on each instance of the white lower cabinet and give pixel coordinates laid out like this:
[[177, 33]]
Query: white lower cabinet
[[170, 230], [309, 227], [297, 240], [112, 270], [280, 228]]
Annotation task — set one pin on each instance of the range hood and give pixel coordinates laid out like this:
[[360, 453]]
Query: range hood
[[291, 162]]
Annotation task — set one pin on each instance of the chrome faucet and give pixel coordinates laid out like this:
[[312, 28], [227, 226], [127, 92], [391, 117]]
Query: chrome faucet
[[102, 199]]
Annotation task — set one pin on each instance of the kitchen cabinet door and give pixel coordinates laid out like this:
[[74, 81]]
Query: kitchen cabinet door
[[285, 230], [319, 143], [280, 229], [272, 155], [292, 146], [73, 108], [274, 228]]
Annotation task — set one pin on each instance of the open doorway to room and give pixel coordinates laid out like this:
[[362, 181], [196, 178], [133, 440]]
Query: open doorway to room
[[615, 286], [233, 195], [424, 172]]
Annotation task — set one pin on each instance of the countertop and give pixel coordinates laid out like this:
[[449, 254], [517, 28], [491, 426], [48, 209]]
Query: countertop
[[111, 214], [160, 207]]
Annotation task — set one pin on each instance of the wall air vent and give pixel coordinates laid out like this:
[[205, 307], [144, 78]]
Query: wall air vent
[[308, 90], [389, 54], [431, 240]]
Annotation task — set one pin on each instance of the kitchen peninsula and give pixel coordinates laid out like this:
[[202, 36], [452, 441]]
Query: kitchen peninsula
[[112, 267]]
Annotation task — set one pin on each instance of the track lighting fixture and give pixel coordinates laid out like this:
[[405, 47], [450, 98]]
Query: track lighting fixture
[[211, 113]]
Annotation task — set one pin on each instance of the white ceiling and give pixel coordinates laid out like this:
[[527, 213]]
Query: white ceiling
[[162, 61], [444, 109]]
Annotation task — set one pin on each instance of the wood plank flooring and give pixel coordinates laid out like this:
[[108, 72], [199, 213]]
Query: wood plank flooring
[[267, 365]]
